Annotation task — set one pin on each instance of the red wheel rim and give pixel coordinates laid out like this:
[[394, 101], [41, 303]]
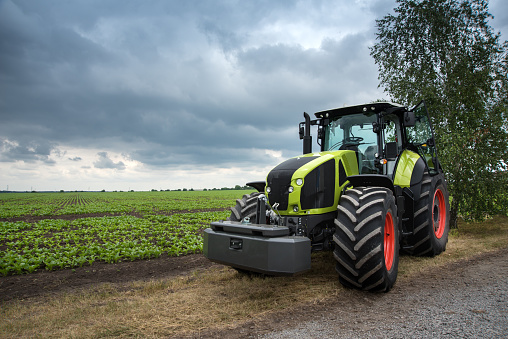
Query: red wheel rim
[[439, 214], [389, 241]]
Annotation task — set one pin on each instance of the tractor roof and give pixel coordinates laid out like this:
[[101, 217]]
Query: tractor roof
[[375, 107]]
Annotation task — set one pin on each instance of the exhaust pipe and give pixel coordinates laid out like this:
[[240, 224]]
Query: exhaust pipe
[[307, 138]]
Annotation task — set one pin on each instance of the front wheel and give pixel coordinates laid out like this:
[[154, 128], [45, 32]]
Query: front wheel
[[367, 239], [245, 208]]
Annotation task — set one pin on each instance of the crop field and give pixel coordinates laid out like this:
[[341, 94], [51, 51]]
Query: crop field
[[67, 230]]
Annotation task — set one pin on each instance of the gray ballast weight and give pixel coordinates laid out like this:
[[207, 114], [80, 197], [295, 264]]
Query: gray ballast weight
[[264, 249]]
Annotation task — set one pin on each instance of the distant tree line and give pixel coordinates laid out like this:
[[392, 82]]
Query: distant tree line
[[237, 187]]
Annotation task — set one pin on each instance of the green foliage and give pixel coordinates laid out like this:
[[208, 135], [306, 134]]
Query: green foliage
[[445, 52], [128, 226]]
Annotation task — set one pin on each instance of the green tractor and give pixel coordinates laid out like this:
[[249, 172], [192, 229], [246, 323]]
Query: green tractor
[[375, 188]]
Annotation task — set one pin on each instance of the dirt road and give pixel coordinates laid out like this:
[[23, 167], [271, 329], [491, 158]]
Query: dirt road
[[467, 299]]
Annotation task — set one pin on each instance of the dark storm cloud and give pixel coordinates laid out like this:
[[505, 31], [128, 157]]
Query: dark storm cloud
[[175, 82], [52, 90]]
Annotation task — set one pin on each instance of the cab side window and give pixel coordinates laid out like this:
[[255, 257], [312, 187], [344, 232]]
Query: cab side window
[[420, 136]]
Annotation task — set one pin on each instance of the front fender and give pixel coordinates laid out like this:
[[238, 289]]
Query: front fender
[[258, 185]]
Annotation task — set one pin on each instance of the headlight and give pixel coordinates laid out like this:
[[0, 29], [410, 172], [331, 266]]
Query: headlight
[[299, 182], [295, 208], [291, 189], [268, 189]]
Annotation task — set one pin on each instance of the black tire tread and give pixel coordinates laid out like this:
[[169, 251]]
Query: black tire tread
[[422, 241], [245, 207], [359, 251]]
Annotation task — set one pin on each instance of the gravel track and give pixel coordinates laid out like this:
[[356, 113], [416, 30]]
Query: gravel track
[[467, 299]]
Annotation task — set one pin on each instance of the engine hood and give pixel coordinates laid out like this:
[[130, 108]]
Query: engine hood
[[310, 183]]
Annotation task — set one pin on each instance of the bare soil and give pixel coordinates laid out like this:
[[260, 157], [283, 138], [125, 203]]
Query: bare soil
[[43, 283]]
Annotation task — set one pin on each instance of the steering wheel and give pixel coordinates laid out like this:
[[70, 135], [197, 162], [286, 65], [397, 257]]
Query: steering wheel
[[353, 140]]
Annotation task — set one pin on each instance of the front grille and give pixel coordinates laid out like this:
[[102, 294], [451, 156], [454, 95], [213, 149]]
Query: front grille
[[279, 182], [279, 179], [319, 187]]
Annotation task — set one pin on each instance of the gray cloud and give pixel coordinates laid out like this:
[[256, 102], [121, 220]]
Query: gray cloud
[[29, 152], [105, 162], [87, 81]]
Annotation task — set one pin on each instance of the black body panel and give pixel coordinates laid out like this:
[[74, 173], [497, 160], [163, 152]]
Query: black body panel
[[258, 185], [371, 180], [318, 188], [279, 179]]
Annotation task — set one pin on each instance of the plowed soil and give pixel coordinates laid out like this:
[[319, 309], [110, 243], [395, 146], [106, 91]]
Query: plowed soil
[[43, 282]]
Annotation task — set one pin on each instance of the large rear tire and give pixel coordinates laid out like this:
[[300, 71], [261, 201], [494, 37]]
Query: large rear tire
[[367, 239], [432, 218]]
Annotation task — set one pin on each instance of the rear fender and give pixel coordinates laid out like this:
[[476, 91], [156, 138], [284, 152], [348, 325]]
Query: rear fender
[[409, 172]]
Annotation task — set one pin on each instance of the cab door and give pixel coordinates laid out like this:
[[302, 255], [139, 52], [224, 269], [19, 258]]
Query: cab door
[[421, 137]]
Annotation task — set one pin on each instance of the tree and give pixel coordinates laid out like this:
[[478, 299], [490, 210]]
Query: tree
[[445, 52]]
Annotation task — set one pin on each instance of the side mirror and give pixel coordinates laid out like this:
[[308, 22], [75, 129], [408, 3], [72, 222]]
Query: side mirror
[[375, 127], [321, 132], [409, 119], [301, 130]]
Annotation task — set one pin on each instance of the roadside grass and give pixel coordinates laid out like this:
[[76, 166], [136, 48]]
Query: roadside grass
[[216, 298]]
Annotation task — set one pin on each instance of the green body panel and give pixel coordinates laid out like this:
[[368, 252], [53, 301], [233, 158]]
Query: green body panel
[[405, 167], [350, 164]]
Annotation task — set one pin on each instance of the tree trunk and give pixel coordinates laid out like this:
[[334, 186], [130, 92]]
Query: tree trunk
[[454, 214]]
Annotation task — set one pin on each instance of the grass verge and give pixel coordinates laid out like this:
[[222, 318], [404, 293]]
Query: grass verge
[[217, 298]]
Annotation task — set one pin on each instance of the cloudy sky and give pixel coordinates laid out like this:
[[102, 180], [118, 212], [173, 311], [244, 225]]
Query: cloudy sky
[[142, 95]]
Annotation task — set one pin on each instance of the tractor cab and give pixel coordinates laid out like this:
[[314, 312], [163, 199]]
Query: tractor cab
[[378, 133]]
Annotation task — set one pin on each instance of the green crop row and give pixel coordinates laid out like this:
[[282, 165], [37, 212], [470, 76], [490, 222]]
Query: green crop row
[[54, 244], [48, 204], [127, 226]]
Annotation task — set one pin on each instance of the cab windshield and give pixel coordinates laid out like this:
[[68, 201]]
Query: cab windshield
[[350, 131], [354, 132]]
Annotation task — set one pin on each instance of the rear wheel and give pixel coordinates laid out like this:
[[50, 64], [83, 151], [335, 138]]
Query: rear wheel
[[432, 218], [367, 239]]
